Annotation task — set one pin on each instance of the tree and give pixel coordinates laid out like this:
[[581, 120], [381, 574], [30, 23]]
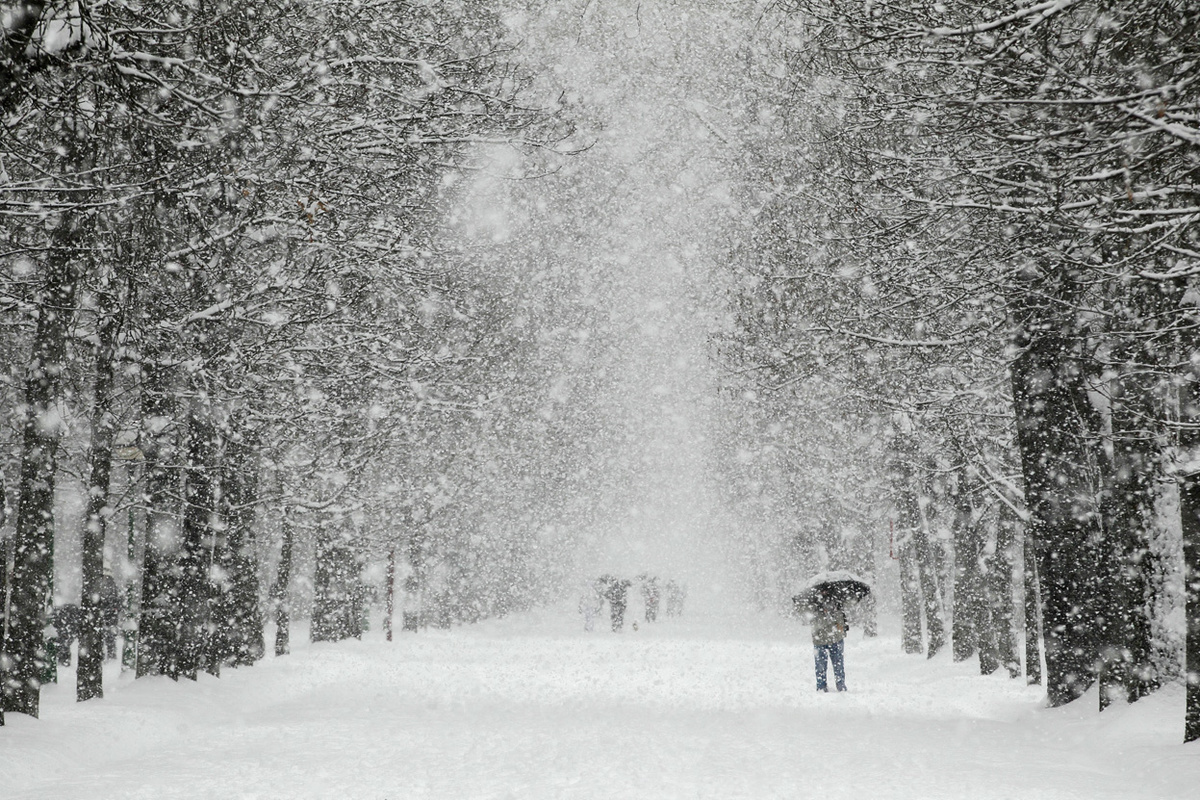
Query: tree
[[1056, 124], [224, 196], [33, 542]]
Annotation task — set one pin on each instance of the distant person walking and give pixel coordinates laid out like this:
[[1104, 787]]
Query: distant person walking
[[675, 594], [828, 637], [615, 591], [650, 595], [591, 603]]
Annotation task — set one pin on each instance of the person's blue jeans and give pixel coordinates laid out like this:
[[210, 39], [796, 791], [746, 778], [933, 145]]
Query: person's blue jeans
[[834, 652]]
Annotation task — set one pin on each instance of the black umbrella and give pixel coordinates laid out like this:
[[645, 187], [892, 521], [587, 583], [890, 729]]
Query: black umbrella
[[837, 588]]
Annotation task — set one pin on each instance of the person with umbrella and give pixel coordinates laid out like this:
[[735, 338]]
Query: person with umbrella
[[821, 603], [829, 628]]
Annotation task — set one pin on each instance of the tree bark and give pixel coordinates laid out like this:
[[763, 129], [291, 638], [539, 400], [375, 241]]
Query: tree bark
[[391, 593], [913, 550], [1130, 482], [3, 587], [158, 618], [1000, 580], [240, 496], [1033, 613], [199, 543], [1189, 517], [23, 656], [1050, 403], [1189, 510], [935, 628], [910, 600], [967, 600], [89, 677], [17, 58], [279, 592], [335, 590]]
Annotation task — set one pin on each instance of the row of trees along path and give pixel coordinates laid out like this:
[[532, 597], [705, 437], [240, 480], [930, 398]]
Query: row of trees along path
[[975, 239], [219, 223]]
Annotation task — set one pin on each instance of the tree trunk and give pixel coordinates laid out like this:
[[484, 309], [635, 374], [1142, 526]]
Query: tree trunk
[[910, 600], [89, 677], [1000, 581], [935, 628], [1189, 511], [3, 584], [917, 584], [1050, 404], [1189, 517], [391, 593], [236, 614], [199, 542], [972, 595], [1130, 482], [24, 658], [133, 586], [967, 599], [335, 590], [1033, 613], [989, 659], [158, 619], [279, 592]]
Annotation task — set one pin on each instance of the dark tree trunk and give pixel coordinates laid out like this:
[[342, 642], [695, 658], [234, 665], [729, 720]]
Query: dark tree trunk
[[1051, 408], [199, 543], [989, 660], [4, 550], [1126, 672], [237, 617], [19, 55], [935, 629], [335, 590], [1000, 590], [414, 585], [910, 601], [158, 625], [1033, 613], [133, 594], [973, 631], [89, 678], [967, 594], [1189, 517], [279, 591], [391, 593], [918, 581], [1189, 510], [24, 658]]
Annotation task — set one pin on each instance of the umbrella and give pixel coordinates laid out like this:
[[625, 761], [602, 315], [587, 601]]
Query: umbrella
[[839, 586]]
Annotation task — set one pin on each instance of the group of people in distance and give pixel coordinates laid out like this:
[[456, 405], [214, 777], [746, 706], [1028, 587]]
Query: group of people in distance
[[615, 592]]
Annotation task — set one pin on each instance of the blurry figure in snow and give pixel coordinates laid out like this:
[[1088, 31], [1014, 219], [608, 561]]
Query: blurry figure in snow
[[110, 613], [675, 594], [829, 628], [591, 603], [615, 591], [649, 586], [410, 605]]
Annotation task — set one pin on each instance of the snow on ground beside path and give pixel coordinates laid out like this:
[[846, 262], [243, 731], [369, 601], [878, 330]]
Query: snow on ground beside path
[[531, 707]]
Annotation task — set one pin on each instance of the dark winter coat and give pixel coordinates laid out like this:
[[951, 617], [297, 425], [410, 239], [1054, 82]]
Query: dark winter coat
[[828, 625]]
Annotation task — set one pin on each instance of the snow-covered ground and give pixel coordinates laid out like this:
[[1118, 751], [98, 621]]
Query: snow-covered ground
[[532, 707]]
